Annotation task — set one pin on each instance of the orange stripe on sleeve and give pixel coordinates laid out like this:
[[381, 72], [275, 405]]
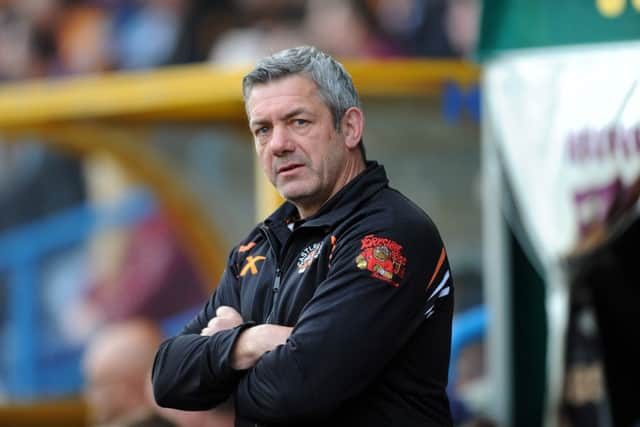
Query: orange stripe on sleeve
[[245, 248], [443, 255]]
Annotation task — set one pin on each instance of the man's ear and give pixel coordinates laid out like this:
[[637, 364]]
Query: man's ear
[[352, 126]]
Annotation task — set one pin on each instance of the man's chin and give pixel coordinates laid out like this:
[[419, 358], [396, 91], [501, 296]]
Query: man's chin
[[293, 193], [293, 197], [300, 199]]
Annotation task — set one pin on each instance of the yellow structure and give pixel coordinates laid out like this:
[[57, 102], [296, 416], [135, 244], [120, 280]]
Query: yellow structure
[[197, 92]]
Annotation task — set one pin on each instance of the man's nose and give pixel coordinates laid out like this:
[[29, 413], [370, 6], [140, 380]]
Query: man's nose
[[281, 142]]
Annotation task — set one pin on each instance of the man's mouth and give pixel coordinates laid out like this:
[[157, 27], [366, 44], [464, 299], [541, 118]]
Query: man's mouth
[[289, 167]]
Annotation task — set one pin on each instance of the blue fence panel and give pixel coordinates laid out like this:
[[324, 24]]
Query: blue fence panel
[[468, 327], [36, 370]]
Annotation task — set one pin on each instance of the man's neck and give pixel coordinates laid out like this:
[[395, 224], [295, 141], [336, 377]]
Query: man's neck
[[350, 171]]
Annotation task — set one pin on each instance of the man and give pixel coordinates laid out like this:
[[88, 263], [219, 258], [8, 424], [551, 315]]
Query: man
[[116, 368], [336, 311]]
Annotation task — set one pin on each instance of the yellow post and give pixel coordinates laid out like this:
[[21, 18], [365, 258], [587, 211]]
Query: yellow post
[[267, 197]]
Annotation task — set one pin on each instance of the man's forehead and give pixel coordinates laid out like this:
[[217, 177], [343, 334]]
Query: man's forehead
[[290, 93], [295, 84]]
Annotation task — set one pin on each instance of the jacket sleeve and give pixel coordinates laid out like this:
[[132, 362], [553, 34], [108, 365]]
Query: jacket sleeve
[[192, 372], [358, 319]]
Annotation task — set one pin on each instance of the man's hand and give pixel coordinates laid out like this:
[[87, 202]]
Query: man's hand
[[252, 342], [226, 318], [256, 341]]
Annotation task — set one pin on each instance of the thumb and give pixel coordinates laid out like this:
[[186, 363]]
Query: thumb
[[226, 311]]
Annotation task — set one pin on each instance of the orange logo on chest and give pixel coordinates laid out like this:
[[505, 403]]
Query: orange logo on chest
[[250, 265]]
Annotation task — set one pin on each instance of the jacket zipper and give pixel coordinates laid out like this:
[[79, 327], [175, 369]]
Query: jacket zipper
[[278, 278], [276, 287]]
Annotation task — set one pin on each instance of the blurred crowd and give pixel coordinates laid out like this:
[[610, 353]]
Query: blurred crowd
[[40, 38]]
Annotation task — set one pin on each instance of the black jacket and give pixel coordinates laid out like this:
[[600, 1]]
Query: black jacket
[[367, 285]]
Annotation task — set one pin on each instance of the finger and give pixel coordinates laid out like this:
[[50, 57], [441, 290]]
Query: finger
[[218, 324], [226, 311]]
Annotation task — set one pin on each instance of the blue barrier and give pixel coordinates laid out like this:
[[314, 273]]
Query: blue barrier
[[468, 327], [21, 252]]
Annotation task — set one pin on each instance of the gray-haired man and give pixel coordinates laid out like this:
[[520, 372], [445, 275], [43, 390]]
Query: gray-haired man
[[336, 310]]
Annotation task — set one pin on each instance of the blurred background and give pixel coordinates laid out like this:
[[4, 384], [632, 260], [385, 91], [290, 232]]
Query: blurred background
[[127, 173]]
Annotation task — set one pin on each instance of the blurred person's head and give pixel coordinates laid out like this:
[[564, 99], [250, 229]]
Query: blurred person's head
[[149, 35], [304, 113], [39, 12], [462, 25], [262, 27], [246, 45], [339, 27], [15, 52], [397, 17], [117, 366], [83, 40]]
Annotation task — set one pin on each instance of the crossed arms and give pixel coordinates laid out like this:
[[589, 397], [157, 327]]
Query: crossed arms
[[348, 332], [252, 343]]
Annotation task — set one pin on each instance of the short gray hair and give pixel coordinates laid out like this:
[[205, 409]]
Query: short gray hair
[[335, 86]]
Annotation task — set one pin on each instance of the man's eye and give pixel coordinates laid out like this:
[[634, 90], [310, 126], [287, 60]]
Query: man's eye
[[300, 122], [261, 131]]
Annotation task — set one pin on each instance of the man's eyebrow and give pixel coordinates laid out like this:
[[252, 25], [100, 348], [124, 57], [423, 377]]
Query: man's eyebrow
[[294, 113], [257, 122], [287, 116]]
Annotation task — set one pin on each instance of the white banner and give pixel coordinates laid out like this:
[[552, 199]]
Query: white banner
[[567, 125], [567, 122]]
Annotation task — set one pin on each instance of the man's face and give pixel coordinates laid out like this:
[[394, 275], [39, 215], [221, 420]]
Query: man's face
[[298, 146]]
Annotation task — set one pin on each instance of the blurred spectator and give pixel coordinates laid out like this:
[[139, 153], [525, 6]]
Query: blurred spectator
[[265, 27], [431, 38], [346, 29], [14, 47], [241, 46], [83, 40], [203, 23], [439, 28], [50, 37], [400, 22], [135, 270], [462, 25], [27, 48], [146, 33], [156, 280], [117, 365]]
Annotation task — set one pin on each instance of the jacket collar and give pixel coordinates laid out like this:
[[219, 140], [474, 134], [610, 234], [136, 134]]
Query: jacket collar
[[362, 187]]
